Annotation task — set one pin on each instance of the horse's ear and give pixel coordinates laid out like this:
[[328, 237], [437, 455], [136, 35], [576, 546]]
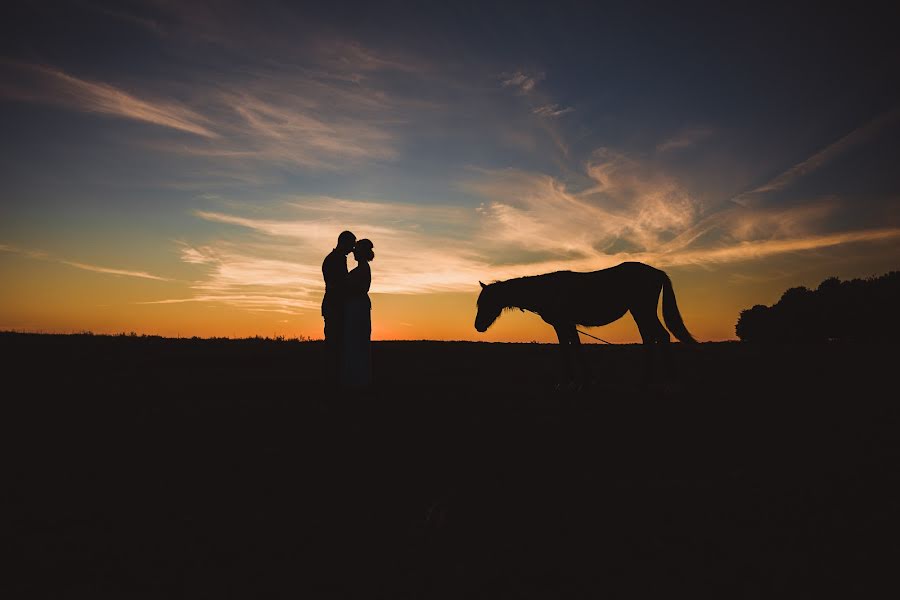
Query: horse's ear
[[482, 285]]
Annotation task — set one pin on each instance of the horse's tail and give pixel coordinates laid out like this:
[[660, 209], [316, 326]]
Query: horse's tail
[[671, 314]]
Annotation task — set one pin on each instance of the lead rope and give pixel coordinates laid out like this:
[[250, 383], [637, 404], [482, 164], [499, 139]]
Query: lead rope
[[593, 336], [599, 339]]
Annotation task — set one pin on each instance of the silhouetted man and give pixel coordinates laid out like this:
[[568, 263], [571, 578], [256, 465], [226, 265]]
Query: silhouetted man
[[334, 270]]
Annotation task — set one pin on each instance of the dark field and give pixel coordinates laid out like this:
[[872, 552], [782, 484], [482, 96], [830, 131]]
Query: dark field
[[154, 468]]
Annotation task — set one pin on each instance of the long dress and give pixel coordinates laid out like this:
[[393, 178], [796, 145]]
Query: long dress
[[356, 368]]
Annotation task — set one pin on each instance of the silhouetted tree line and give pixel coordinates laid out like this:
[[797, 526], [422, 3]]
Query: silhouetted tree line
[[854, 310]]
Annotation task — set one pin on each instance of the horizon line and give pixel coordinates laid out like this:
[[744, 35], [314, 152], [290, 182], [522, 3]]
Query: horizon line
[[305, 339]]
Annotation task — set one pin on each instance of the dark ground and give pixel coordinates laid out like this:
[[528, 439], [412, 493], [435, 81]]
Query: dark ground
[[155, 468]]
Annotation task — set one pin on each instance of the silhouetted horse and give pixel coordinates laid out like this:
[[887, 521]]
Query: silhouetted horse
[[566, 299]]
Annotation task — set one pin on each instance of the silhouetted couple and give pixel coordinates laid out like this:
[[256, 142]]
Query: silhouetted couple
[[347, 311]]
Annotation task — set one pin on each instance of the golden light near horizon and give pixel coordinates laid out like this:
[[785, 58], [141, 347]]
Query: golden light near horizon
[[184, 193]]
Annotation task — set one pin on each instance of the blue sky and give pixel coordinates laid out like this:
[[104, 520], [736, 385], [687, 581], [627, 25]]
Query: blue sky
[[218, 148]]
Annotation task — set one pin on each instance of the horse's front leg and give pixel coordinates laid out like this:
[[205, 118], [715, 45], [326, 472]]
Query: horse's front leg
[[565, 335], [584, 371]]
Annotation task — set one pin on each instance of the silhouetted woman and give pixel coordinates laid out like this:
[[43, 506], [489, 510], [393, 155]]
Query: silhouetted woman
[[357, 361]]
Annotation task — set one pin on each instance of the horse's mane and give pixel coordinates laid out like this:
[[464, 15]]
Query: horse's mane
[[525, 289]]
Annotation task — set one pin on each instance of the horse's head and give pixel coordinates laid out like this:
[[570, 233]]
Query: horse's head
[[489, 307]]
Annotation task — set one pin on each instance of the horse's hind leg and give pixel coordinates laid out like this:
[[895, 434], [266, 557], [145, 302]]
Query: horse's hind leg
[[653, 334], [566, 335]]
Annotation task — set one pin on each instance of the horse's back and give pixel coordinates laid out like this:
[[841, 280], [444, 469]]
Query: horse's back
[[624, 273], [627, 268]]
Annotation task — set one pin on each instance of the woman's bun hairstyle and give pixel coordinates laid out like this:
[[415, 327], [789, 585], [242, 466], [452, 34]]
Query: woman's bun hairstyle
[[366, 248]]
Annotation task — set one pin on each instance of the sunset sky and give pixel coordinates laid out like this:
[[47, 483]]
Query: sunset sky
[[182, 168]]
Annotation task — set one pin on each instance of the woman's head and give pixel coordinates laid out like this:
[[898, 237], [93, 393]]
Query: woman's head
[[364, 250]]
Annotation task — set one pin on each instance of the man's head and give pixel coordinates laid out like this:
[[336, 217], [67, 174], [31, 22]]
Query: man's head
[[346, 241]]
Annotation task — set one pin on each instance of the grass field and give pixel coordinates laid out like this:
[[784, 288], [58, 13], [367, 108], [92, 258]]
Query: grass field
[[157, 468]]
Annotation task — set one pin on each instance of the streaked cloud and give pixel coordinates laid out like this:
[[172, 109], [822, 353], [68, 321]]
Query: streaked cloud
[[521, 81], [290, 119], [552, 110], [626, 204], [634, 214], [528, 223], [40, 255], [415, 249], [331, 115], [301, 127], [125, 16], [48, 85], [111, 271], [684, 139], [252, 277], [251, 302], [737, 224], [858, 136], [37, 254], [276, 264], [760, 249], [255, 136]]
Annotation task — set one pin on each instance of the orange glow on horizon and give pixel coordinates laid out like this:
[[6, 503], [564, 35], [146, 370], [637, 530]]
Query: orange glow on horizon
[[54, 297]]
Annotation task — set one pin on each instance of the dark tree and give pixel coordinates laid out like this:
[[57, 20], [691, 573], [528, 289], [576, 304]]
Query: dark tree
[[854, 310]]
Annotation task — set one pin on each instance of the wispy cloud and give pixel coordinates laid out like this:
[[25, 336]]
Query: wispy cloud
[[827, 154], [47, 85], [336, 113], [329, 115], [528, 223], [36, 254], [521, 81], [684, 139], [303, 127], [416, 250], [251, 275], [275, 264], [142, 21], [758, 249], [282, 35], [280, 303], [633, 212], [111, 271], [40, 255], [552, 110]]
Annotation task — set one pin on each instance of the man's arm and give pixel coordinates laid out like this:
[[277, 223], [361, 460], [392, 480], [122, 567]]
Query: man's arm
[[334, 270]]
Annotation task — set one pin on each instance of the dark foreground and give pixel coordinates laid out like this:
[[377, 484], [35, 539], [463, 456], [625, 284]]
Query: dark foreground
[[151, 468]]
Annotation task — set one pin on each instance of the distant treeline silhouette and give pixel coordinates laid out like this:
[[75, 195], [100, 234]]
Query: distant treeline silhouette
[[854, 310]]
